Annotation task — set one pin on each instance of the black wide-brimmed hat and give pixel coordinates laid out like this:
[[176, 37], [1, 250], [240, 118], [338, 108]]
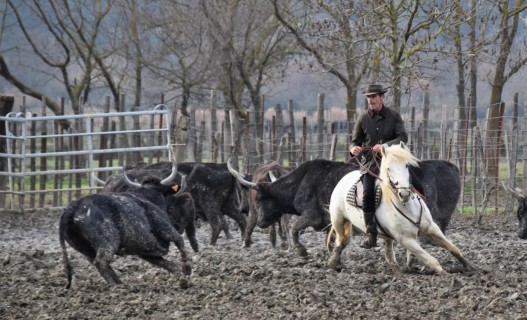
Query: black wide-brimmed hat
[[374, 89]]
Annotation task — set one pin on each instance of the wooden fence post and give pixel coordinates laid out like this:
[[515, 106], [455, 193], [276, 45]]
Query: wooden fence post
[[43, 148], [214, 147], [279, 132], [524, 125], [320, 125], [413, 132], [6, 106], [292, 137], [426, 136], [304, 139], [191, 144], [103, 140], [512, 154]]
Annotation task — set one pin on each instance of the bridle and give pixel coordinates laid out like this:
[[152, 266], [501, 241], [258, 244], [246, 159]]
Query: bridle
[[391, 184], [394, 189]]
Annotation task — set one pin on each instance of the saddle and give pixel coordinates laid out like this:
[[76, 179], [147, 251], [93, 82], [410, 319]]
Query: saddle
[[354, 195]]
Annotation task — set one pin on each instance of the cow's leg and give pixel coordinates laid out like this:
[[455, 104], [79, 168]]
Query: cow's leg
[[225, 227], [434, 232], [283, 231], [215, 225], [186, 267], [300, 224], [272, 235], [190, 231], [415, 248], [161, 262], [251, 224], [235, 214], [389, 255], [102, 263]]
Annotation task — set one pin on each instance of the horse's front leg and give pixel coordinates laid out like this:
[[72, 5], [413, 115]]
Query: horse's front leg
[[389, 255], [415, 248], [410, 259], [439, 239]]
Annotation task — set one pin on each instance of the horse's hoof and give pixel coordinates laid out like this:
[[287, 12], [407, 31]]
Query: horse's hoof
[[185, 283], [337, 266], [187, 269]]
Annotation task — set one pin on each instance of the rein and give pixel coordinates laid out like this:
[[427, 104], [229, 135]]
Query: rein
[[415, 223]]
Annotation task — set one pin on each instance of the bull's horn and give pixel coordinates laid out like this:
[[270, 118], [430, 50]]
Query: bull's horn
[[183, 185], [514, 192], [97, 180], [238, 176], [130, 182], [168, 180], [272, 176]]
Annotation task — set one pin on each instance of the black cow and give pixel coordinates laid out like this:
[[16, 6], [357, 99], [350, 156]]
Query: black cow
[[124, 223], [215, 192], [521, 212], [181, 209], [306, 191]]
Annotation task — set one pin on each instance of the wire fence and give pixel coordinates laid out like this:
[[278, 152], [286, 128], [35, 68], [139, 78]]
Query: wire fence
[[106, 141]]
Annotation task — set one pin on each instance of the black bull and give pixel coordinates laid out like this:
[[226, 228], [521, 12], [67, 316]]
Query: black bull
[[306, 192], [125, 223], [215, 192], [521, 212]]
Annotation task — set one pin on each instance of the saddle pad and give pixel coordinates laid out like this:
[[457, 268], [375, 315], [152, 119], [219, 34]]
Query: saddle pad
[[354, 195]]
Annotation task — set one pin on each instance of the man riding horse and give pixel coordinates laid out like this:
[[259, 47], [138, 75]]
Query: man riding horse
[[377, 127]]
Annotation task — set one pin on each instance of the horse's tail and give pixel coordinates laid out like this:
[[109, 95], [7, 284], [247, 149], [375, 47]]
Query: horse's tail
[[330, 239], [331, 236], [347, 231]]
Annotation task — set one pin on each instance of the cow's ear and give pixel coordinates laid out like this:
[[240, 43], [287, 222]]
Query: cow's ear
[[176, 187]]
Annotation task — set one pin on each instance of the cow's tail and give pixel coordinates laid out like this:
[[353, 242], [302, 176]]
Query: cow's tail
[[65, 259]]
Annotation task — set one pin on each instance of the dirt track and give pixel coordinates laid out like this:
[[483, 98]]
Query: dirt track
[[230, 282]]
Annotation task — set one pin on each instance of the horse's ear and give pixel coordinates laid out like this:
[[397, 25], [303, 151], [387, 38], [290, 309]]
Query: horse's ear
[[383, 150], [402, 145]]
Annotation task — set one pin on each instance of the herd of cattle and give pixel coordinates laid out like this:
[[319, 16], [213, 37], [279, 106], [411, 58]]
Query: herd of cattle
[[141, 211]]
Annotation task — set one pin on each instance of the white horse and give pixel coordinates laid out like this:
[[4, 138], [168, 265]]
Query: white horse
[[401, 215]]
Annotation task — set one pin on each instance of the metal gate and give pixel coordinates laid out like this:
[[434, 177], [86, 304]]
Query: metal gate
[[52, 160]]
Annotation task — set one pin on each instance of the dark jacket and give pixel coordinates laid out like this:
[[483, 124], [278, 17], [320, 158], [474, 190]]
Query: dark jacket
[[385, 127]]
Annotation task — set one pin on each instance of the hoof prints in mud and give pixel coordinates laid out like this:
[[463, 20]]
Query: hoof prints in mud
[[259, 282]]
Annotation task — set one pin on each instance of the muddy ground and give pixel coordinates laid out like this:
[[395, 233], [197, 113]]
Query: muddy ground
[[231, 282]]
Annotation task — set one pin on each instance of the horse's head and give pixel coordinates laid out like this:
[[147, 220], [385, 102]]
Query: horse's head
[[394, 174]]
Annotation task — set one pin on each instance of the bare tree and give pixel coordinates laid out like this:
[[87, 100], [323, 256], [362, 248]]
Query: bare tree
[[407, 34], [57, 34], [332, 33], [251, 50], [505, 66]]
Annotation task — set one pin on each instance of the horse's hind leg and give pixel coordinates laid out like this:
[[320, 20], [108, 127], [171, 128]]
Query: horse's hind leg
[[389, 255], [439, 239], [413, 246], [342, 231]]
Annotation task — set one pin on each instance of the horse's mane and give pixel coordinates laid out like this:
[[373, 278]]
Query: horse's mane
[[399, 153]]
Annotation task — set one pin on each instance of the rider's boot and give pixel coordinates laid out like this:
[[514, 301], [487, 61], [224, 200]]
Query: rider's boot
[[370, 239]]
